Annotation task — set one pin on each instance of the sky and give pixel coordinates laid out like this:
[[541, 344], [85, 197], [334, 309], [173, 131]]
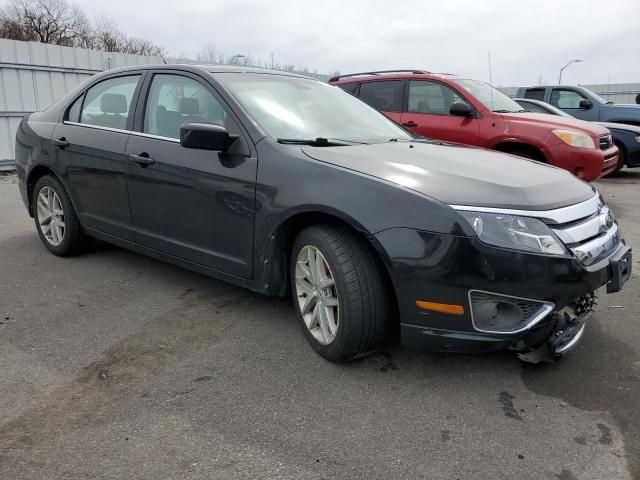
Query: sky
[[529, 40]]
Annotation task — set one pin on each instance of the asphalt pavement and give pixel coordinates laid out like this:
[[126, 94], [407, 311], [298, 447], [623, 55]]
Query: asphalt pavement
[[118, 366]]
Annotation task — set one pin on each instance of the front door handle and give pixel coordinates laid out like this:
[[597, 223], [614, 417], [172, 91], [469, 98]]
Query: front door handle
[[61, 142], [143, 159], [410, 124]]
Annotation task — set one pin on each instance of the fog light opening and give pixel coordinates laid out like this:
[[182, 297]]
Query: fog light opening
[[496, 313]]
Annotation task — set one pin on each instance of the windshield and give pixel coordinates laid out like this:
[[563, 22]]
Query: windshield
[[490, 97], [299, 108], [597, 97]]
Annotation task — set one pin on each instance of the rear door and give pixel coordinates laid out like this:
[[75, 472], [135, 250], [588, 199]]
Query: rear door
[[197, 205], [90, 150], [535, 94], [427, 113], [384, 95]]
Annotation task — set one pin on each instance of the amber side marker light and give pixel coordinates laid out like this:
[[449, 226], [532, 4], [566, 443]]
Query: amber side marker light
[[441, 307]]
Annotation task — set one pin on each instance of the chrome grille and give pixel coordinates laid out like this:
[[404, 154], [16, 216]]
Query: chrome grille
[[606, 141], [592, 234]]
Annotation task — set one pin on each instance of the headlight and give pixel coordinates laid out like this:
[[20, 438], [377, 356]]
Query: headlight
[[520, 233], [575, 139]]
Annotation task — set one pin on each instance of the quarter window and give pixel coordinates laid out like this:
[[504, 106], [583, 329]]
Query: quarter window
[[431, 97], [384, 95], [566, 98], [73, 115], [108, 103], [348, 87], [175, 100]]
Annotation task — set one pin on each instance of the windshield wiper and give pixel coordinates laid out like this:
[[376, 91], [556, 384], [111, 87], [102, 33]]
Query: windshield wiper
[[316, 142], [507, 111]]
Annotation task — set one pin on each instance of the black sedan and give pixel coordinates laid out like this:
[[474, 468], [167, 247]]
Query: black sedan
[[626, 137], [283, 184]]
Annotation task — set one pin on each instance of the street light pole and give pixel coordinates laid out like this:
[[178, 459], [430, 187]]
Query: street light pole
[[562, 69], [236, 56]]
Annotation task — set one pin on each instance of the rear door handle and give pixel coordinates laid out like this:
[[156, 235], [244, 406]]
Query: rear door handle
[[61, 142], [410, 124], [143, 159]]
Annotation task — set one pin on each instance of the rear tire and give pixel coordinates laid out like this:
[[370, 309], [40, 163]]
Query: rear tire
[[55, 218], [348, 294]]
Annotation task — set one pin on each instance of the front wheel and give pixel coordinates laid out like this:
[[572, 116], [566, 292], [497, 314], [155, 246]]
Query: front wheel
[[339, 293]]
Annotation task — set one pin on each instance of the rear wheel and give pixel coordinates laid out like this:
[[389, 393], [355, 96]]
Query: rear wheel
[[55, 218], [339, 293]]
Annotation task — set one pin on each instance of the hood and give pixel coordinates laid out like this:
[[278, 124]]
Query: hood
[[556, 121], [460, 175]]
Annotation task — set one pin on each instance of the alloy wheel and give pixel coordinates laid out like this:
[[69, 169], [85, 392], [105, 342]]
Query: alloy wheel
[[317, 294], [50, 216]]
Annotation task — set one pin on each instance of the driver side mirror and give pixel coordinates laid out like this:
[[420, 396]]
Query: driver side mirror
[[460, 109], [586, 104], [206, 136]]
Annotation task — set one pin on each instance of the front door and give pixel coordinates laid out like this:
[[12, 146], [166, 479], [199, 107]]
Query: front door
[[90, 150], [427, 113], [197, 205], [569, 100]]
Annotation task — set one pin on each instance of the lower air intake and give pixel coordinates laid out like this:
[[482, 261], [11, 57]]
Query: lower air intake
[[496, 313]]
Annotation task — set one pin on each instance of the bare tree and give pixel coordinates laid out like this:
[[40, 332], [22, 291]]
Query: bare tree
[[209, 54], [46, 21]]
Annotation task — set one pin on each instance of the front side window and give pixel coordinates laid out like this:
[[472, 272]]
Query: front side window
[[431, 97], [289, 107], [385, 96], [566, 98], [108, 103], [175, 100]]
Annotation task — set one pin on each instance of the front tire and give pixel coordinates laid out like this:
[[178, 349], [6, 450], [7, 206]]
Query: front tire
[[55, 218], [338, 292]]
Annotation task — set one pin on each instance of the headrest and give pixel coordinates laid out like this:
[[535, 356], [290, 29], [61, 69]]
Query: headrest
[[189, 106], [113, 103]]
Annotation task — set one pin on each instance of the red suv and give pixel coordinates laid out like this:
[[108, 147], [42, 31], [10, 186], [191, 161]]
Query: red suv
[[472, 112]]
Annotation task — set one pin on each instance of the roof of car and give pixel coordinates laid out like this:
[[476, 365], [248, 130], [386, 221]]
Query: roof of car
[[207, 68], [386, 74]]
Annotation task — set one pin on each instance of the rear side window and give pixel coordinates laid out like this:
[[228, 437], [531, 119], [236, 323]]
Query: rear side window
[[384, 95], [108, 103], [535, 94], [562, 98], [431, 97], [348, 87]]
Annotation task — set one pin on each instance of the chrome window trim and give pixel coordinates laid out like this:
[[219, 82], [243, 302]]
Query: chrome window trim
[[546, 309], [558, 216], [118, 130]]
